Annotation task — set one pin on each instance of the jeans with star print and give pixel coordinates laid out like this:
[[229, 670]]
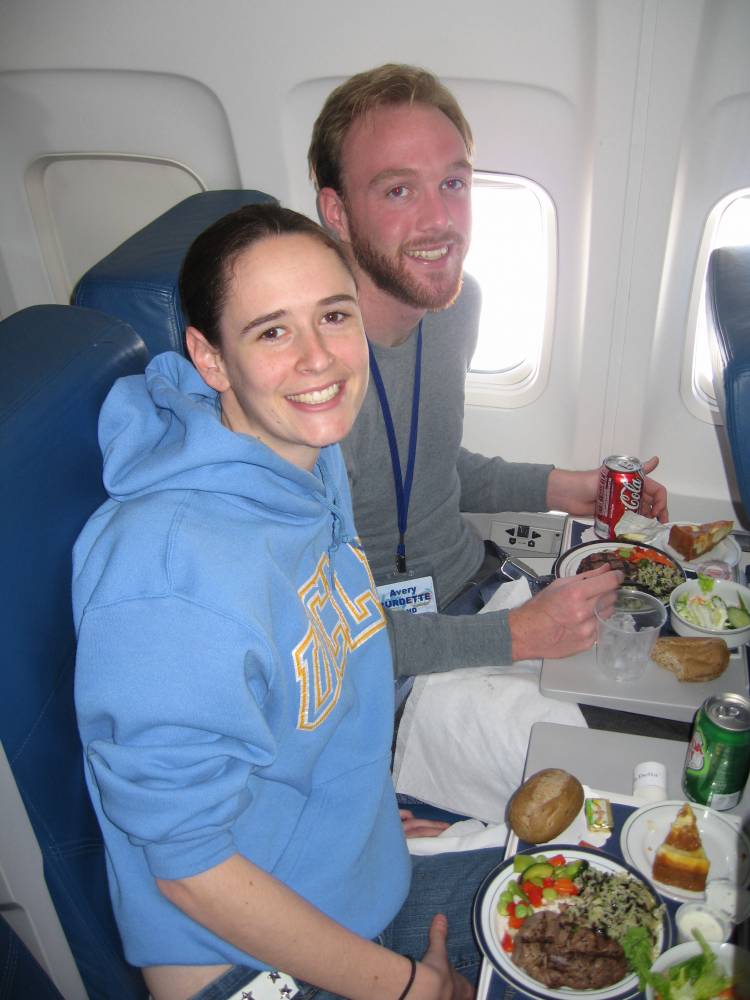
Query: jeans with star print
[[441, 883]]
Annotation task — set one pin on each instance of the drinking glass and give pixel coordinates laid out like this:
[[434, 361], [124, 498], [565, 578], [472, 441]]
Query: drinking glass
[[625, 633]]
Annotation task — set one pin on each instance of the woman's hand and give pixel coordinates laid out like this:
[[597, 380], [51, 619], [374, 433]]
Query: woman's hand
[[435, 977], [414, 827]]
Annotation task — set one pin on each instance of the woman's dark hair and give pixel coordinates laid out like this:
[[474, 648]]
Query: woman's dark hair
[[207, 268]]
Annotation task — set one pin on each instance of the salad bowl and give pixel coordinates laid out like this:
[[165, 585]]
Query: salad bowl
[[730, 960], [712, 608]]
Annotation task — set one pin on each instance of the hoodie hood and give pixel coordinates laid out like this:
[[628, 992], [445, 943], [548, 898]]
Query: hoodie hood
[[163, 431]]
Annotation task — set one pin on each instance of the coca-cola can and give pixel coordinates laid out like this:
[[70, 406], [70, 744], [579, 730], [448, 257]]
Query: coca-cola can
[[620, 490]]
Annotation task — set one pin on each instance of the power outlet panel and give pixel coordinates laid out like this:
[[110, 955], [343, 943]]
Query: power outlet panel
[[532, 534]]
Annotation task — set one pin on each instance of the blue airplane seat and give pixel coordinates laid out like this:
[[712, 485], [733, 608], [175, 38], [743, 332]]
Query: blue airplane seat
[[20, 973], [59, 364], [137, 282], [728, 292]]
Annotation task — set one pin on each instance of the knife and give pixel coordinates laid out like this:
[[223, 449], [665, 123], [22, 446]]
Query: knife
[[515, 569]]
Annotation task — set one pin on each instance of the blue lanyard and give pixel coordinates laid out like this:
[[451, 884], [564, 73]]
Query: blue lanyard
[[403, 488]]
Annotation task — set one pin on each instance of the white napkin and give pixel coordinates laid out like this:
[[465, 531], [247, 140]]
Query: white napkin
[[466, 835], [463, 736]]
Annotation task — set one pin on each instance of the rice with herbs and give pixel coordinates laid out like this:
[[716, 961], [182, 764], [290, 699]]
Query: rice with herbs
[[612, 904], [658, 579]]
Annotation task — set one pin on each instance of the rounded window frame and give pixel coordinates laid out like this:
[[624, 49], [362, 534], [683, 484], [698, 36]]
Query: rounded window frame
[[696, 387], [521, 383]]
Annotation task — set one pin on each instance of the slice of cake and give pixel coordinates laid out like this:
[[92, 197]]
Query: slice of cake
[[681, 860], [693, 540]]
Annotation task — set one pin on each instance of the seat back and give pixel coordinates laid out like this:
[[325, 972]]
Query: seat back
[[137, 282], [728, 294], [22, 975], [59, 364]]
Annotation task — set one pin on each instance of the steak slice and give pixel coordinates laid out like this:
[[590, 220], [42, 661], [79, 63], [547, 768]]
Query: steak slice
[[597, 559], [557, 951]]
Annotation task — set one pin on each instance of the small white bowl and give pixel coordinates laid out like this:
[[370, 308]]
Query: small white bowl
[[725, 589], [715, 926], [732, 959]]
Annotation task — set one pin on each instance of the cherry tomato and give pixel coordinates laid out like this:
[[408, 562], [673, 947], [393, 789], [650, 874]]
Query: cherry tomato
[[533, 893]]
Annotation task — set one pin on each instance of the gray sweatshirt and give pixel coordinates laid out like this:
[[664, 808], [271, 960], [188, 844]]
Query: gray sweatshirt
[[448, 479]]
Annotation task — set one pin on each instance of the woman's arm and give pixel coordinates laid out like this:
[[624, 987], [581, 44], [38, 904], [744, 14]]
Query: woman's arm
[[246, 906]]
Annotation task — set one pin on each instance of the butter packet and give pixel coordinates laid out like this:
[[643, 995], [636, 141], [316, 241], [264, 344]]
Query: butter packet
[[637, 528], [598, 815]]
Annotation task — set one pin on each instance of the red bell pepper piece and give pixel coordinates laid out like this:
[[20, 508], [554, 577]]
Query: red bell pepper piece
[[533, 893]]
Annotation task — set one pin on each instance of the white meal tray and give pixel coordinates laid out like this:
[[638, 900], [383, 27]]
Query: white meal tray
[[656, 693], [576, 832]]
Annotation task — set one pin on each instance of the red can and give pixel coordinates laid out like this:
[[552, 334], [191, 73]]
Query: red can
[[620, 490]]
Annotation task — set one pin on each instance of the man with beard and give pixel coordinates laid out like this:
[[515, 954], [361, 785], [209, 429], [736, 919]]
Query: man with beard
[[391, 159]]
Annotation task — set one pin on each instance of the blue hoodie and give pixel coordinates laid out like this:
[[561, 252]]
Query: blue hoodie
[[233, 683]]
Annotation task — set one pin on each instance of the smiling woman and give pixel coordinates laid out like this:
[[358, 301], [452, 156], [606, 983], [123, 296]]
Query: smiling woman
[[279, 336], [234, 680]]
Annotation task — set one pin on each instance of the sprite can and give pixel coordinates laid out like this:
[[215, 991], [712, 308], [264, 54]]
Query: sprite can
[[718, 755]]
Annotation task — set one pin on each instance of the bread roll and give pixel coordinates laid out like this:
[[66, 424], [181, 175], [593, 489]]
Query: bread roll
[[545, 805], [691, 659]]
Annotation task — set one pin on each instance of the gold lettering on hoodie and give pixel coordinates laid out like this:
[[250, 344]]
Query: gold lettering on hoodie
[[338, 623]]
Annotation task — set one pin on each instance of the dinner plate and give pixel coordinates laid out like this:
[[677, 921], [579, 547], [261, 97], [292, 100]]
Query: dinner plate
[[489, 927], [726, 846], [568, 562], [727, 550]]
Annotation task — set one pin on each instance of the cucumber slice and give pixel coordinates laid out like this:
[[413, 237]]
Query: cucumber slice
[[572, 869], [523, 861], [539, 870], [738, 617]]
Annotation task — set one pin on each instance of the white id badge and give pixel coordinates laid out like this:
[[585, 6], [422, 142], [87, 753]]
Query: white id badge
[[403, 592]]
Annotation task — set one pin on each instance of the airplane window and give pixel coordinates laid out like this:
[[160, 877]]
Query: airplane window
[[512, 255], [728, 225]]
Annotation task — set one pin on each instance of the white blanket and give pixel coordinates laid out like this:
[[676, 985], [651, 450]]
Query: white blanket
[[463, 736], [467, 835]]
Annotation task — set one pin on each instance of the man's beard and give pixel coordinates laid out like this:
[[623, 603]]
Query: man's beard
[[392, 277]]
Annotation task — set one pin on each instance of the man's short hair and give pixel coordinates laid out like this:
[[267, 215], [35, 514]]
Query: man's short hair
[[392, 83]]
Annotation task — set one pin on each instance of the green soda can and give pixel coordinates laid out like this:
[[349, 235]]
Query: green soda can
[[718, 755]]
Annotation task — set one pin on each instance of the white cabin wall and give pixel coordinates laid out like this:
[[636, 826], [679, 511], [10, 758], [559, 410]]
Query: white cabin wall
[[712, 159], [627, 111]]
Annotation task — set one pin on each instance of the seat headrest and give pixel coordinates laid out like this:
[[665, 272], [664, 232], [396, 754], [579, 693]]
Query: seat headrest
[[728, 294], [137, 282]]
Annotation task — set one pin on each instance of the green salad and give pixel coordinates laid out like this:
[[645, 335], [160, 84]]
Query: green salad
[[700, 977], [711, 611]]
